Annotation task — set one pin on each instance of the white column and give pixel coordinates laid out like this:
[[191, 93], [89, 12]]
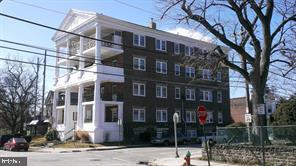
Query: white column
[[57, 70], [97, 95], [68, 61], [81, 59], [80, 107], [66, 110], [54, 109]]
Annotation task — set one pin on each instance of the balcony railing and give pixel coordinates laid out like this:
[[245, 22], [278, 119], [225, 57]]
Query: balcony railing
[[74, 47], [61, 102], [88, 97], [90, 43]]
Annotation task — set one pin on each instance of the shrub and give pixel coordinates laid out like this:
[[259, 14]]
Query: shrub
[[83, 136], [51, 135], [146, 136]]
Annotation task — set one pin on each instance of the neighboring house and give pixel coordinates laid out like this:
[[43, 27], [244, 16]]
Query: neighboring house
[[140, 81], [48, 105], [238, 107]]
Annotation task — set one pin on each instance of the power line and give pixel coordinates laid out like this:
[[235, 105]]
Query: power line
[[136, 7], [39, 7]]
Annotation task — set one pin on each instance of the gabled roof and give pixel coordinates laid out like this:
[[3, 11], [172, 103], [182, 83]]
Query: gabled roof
[[73, 19]]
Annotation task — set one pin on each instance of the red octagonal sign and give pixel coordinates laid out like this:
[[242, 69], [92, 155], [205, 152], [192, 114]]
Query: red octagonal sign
[[202, 114]]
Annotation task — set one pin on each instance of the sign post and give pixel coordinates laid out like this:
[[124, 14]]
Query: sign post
[[176, 120], [202, 117]]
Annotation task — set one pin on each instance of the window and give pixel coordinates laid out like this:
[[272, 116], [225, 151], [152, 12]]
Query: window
[[160, 45], [177, 93], [206, 74], [191, 133], [190, 94], [114, 92], [210, 117], [205, 95], [219, 97], [219, 76], [161, 115], [220, 117], [161, 67], [139, 63], [177, 69], [74, 98], [74, 116], [111, 113], [189, 72], [139, 114], [177, 48], [161, 91], [88, 109], [139, 89], [190, 116], [61, 116], [139, 40], [189, 51]]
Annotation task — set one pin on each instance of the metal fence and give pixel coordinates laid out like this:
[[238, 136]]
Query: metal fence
[[260, 135]]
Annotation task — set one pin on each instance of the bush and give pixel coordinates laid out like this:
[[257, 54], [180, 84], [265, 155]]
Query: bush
[[146, 136], [51, 135], [83, 136]]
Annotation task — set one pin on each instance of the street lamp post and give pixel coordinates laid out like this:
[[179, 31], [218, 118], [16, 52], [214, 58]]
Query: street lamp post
[[176, 120]]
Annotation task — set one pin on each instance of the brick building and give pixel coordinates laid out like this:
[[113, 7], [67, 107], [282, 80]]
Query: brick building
[[134, 74]]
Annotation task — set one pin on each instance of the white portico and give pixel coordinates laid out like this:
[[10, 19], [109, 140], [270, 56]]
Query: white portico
[[78, 91]]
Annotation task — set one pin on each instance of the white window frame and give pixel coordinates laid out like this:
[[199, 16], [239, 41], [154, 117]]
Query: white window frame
[[161, 87], [163, 70], [139, 84], [210, 117], [189, 133], [162, 120], [177, 89], [177, 69], [190, 94], [219, 76], [138, 43], [206, 94], [138, 118], [177, 48], [206, 74], [139, 59], [219, 99], [220, 118], [189, 51], [189, 72], [192, 116], [162, 45]]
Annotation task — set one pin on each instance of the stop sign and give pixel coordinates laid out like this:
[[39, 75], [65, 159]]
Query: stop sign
[[202, 114]]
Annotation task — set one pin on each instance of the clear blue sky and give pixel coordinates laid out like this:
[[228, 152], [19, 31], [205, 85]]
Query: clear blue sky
[[30, 34]]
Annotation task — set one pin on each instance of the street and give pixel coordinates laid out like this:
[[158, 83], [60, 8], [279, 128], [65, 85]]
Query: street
[[127, 157]]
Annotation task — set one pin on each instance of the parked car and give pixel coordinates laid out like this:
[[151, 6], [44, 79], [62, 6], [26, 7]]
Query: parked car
[[167, 139], [16, 144], [4, 139], [212, 136]]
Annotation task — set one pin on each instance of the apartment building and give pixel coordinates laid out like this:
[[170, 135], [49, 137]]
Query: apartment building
[[131, 81]]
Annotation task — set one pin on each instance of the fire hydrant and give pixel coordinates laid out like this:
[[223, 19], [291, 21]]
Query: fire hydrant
[[187, 158]]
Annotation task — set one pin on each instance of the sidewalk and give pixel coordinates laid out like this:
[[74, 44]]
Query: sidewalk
[[180, 161], [69, 150]]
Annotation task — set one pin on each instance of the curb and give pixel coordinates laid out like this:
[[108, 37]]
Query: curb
[[121, 147]]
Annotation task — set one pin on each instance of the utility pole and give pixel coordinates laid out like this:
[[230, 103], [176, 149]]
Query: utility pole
[[36, 89], [43, 87]]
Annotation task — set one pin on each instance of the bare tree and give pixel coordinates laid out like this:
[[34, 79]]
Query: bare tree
[[17, 93], [259, 32]]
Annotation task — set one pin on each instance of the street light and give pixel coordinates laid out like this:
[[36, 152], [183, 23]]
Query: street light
[[176, 120]]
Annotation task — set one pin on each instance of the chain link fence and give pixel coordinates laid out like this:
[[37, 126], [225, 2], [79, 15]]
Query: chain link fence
[[255, 145]]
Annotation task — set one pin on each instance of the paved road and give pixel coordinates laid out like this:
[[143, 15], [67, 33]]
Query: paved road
[[122, 157]]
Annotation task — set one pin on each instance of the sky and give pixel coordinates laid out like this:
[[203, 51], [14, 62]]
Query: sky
[[52, 12]]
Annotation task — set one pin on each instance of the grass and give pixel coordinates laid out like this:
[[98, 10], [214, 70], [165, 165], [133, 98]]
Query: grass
[[72, 144], [38, 141]]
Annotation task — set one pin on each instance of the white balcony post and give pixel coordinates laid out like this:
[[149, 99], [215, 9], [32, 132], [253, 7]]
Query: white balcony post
[[57, 70], [67, 60], [81, 58], [80, 106], [54, 109], [97, 95], [66, 110]]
